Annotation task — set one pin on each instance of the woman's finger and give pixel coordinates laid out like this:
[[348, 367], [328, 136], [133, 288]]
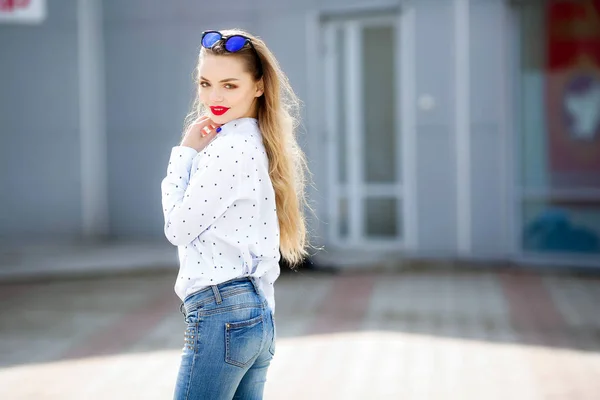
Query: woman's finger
[[207, 130], [201, 125], [202, 122]]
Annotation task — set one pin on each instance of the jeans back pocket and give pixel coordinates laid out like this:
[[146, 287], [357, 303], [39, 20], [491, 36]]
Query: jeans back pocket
[[243, 341]]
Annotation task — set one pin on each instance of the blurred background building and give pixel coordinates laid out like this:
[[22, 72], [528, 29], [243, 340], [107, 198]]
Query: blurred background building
[[446, 129]]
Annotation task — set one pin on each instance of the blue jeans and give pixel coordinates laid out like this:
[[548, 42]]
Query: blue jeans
[[229, 343]]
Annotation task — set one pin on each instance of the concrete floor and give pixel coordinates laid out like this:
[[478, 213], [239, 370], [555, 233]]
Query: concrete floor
[[410, 335]]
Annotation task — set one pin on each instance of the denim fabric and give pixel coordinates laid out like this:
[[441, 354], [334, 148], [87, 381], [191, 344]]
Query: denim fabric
[[229, 343]]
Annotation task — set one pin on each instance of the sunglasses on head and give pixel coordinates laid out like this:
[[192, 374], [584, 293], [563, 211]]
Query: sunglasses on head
[[232, 44]]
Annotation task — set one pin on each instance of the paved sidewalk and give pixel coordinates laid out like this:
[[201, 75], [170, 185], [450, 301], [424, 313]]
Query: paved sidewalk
[[411, 335]]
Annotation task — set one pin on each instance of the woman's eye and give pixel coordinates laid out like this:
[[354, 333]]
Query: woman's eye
[[229, 86], [204, 84]]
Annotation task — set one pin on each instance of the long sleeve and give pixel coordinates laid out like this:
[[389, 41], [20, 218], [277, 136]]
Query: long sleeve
[[193, 200]]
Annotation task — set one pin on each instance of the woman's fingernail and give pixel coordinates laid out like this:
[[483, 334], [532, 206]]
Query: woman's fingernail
[[218, 129]]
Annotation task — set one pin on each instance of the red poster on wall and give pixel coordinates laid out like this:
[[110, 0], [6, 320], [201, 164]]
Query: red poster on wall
[[573, 92]]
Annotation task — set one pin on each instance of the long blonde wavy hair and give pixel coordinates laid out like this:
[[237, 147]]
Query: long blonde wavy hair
[[278, 119]]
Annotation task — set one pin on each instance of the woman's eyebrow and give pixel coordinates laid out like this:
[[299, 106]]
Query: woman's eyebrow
[[222, 81]]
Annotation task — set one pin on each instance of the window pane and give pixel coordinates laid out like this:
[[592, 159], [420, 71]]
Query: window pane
[[381, 217], [379, 104]]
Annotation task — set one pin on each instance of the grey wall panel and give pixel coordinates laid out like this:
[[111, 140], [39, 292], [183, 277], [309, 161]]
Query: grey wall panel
[[489, 221], [488, 139], [39, 138], [436, 189], [434, 59], [435, 152]]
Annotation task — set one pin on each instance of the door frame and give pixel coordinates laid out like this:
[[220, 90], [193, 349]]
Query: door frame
[[405, 131]]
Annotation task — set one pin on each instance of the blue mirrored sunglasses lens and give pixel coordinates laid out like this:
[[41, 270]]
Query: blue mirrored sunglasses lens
[[235, 43], [210, 39]]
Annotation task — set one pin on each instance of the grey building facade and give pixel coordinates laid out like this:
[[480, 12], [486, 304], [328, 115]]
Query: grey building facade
[[419, 124]]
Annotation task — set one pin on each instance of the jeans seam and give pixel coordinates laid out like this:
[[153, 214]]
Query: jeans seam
[[230, 308], [272, 345], [189, 383]]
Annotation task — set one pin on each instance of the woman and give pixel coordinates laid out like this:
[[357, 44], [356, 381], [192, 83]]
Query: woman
[[233, 199]]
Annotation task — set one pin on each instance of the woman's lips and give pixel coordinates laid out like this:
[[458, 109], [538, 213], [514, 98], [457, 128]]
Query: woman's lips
[[219, 110]]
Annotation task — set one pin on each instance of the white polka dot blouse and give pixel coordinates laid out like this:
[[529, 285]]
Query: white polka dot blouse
[[219, 209]]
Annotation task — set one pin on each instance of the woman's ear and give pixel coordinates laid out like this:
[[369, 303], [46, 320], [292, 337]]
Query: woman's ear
[[260, 88]]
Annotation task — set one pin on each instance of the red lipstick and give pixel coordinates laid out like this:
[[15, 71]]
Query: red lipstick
[[219, 110]]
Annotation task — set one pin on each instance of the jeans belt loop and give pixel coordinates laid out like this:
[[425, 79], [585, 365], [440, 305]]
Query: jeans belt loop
[[217, 294]]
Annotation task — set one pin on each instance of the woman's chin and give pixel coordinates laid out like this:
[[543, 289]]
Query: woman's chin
[[220, 119]]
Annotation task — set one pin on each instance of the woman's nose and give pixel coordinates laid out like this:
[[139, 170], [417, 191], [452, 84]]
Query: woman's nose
[[215, 95]]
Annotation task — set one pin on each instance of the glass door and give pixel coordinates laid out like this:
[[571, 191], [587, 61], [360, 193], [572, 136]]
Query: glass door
[[364, 146]]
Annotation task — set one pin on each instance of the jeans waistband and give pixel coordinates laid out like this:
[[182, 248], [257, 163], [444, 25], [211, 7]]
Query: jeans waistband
[[217, 292]]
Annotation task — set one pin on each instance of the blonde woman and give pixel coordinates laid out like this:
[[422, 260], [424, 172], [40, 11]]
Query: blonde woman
[[233, 199]]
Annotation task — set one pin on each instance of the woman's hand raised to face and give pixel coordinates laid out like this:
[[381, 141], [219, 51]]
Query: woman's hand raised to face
[[200, 134]]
